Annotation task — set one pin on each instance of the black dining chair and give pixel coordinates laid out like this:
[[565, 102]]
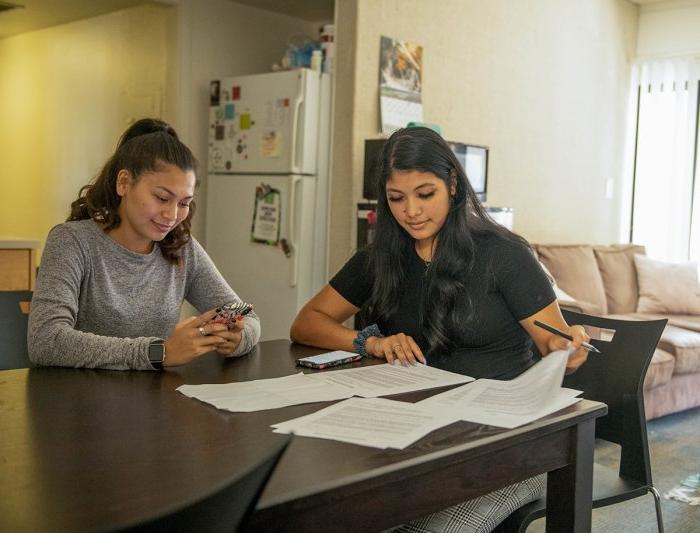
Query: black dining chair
[[14, 307], [226, 508], [615, 377]]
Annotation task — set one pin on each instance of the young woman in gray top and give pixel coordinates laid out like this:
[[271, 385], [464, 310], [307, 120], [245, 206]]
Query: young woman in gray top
[[114, 276]]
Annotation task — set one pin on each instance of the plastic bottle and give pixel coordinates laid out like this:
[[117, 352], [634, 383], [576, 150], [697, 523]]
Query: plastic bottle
[[316, 60]]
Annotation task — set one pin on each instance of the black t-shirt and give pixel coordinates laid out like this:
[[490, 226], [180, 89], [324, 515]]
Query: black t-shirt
[[506, 285]]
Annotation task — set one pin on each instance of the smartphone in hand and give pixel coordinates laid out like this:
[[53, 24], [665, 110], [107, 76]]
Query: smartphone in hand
[[231, 312], [329, 359]]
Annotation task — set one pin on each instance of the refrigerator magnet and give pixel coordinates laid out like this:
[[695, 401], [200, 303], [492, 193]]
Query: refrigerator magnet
[[229, 112], [245, 121], [214, 92]]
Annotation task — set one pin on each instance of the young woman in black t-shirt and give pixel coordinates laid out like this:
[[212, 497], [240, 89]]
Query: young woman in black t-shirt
[[445, 285], [442, 283]]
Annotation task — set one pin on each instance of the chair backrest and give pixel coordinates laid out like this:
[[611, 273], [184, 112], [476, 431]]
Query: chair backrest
[[226, 508], [616, 377], [13, 330]]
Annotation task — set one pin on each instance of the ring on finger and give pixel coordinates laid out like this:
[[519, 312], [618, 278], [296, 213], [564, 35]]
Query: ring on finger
[[395, 346], [203, 332]]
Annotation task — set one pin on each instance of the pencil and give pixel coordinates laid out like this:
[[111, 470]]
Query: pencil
[[560, 333]]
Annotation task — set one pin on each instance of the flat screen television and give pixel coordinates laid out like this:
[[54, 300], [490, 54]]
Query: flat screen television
[[475, 162], [473, 158]]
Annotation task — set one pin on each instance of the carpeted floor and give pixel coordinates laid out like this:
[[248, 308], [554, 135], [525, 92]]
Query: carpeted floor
[[674, 443]]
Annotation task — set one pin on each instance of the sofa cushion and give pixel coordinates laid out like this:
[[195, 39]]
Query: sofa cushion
[[684, 345], [667, 287], [619, 275], [689, 322], [660, 369], [576, 271]]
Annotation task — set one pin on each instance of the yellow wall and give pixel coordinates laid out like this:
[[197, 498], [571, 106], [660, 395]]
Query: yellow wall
[[543, 83], [66, 93]]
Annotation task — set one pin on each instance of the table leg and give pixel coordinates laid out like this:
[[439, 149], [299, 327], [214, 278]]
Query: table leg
[[570, 489]]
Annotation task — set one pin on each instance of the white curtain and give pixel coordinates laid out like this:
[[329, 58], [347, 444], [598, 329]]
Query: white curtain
[[665, 151]]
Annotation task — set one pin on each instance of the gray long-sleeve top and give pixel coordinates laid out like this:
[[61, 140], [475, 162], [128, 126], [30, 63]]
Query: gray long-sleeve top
[[99, 305]]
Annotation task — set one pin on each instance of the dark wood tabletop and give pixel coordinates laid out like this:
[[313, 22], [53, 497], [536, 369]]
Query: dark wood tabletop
[[94, 450]]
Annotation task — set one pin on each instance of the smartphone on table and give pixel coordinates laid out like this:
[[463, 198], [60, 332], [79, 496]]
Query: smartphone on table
[[325, 360]]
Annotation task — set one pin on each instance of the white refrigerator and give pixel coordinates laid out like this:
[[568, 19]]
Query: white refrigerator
[[270, 132]]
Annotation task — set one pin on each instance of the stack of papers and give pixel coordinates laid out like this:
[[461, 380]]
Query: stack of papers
[[368, 381], [382, 423], [375, 422], [383, 380], [532, 395], [261, 394]]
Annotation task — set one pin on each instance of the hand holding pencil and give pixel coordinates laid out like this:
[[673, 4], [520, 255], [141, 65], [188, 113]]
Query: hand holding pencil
[[560, 333], [573, 337]]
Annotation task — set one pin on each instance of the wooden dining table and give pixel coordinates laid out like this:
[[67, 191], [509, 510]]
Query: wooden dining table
[[97, 450]]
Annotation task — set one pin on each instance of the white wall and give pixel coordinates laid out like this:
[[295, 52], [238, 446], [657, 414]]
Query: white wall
[[669, 29], [543, 83], [66, 94], [217, 38]]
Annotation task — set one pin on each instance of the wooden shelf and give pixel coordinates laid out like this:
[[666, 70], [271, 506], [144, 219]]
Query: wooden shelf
[[17, 265]]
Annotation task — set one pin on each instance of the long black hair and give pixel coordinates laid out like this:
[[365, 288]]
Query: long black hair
[[446, 304], [145, 146]]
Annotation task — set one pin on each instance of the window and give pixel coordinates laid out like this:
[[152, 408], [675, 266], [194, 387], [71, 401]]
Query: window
[[665, 207]]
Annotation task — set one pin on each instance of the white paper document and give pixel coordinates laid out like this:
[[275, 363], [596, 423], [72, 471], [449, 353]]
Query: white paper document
[[375, 422], [382, 380], [532, 395], [247, 396]]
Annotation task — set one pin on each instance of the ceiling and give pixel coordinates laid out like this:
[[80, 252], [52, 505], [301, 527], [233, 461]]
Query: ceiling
[[311, 10], [38, 14]]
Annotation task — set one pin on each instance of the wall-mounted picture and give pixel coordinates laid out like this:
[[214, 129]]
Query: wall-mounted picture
[[401, 65], [400, 83]]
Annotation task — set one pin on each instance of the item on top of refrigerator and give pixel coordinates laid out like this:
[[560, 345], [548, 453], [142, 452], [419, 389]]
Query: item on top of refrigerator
[[316, 59], [328, 46], [299, 50], [228, 314]]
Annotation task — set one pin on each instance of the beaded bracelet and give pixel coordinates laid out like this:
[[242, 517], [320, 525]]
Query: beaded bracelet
[[360, 341]]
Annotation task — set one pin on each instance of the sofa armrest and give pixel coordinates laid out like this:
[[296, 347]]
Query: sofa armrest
[[578, 306]]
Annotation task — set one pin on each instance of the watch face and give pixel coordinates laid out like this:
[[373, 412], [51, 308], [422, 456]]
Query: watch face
[[156, 351]]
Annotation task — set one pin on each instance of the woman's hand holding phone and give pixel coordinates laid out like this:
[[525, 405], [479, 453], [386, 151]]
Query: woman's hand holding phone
[[193, 337], [230, 315]]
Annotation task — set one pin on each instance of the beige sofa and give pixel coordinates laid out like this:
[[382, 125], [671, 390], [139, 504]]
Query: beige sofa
[[607, 281]]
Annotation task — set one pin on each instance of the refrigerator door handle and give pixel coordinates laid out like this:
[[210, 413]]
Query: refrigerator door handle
[[296, 126], [294, 181]]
